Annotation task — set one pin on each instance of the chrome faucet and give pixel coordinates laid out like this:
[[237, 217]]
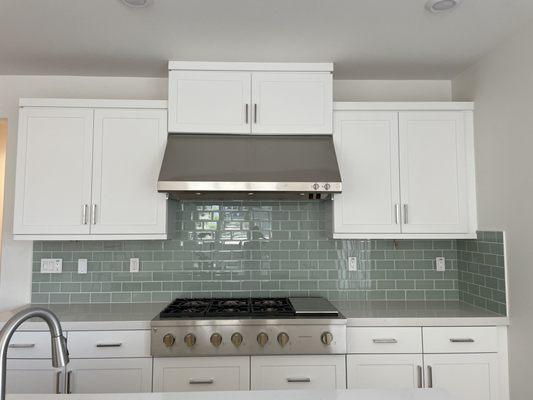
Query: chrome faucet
[[59, 343]]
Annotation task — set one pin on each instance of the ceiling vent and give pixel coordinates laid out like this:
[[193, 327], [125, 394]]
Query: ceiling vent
[[439, 6]]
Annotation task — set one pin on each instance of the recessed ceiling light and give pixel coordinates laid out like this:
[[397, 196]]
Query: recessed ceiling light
[[137, 3], [437, 6]]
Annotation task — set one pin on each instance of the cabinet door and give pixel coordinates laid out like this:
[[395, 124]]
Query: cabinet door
[[53, 186], [128, 149], [292, 103], [366, 144], [464, 376], [433, 171], [384, 371], [298, 372], [209, 102], [112, 375], [33, 376], [194, 374]]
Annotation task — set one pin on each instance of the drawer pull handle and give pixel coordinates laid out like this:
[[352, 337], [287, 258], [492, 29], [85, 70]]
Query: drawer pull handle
[[22, 345], [462, 340], [298, 380], [384, 341], [201, 381], [105, 345]]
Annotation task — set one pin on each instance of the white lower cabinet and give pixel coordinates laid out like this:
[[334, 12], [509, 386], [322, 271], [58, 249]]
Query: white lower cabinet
[[33, 376], [464, 376], [109, 375], [298, 372], [384, 371], [188, 374]]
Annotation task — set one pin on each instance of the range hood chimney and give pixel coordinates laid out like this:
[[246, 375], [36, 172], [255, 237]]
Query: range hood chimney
[[198, 166]]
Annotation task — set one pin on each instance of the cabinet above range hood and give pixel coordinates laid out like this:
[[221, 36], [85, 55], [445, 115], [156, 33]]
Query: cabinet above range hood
[[199, 166]]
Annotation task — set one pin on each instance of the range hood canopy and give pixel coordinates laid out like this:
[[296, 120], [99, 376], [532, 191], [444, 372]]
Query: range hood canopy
[[248, 166]]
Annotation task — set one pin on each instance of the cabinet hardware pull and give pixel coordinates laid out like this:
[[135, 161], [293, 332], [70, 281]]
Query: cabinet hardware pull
[[461, 340], [430, 376], [255, 113], [298, 380], [58, 376], [69, 373], [419, 369], [22, 345], [246, 113], [384, 340], [396, 214], [84, 214], [101, 345], [405, 214], [201, 381], [93, 214]]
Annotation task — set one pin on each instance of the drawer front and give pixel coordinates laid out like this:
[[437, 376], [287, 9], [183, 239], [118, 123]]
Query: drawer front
[[194, 374], [460, 340], [109, 344], [298, 372], [384, 340], [30, 345]]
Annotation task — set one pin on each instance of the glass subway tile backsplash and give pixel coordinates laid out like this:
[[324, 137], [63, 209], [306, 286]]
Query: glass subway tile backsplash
[[247, 249]]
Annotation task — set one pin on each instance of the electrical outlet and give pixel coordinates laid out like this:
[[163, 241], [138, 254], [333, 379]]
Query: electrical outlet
[[82, 266], [134, 265], [440, 263], [51, 265], [352, 263]]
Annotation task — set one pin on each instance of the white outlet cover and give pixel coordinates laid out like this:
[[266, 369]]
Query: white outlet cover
[[82, 266], [134, 265], [51, 265], [352, 264], [440, 263]]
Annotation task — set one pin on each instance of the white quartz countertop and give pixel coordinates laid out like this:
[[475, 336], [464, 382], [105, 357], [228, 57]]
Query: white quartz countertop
[[418, 394], [359, 313]]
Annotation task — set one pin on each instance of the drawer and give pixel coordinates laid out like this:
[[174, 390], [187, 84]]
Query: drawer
[[30, 345], [298, 372], [460, 340], [193, 374], [109, 344], [384, 340]]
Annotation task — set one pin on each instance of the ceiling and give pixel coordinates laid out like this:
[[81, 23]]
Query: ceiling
[[367, 39]]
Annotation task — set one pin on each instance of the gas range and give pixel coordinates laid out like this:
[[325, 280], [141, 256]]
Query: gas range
[[248, 326]]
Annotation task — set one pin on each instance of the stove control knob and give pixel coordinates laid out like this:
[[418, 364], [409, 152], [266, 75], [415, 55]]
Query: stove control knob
[[169, 340], [189, 340], [236, 339], [216, 339], [326, 338], [283, 339], [262, 339], [316, 186]]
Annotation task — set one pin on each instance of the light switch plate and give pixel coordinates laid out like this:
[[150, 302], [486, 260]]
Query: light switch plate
[[134, 265], [51, 265], [352, 264], [440, 263], [82, 266]]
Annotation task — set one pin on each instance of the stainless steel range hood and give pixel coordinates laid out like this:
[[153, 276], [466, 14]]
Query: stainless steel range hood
[[245, 166]]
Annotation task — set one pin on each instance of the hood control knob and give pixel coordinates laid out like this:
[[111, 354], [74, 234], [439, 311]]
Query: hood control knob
[[327, 186], [169, 340], [326, 338], [216, 339], [236, 339], [189, 339], [262, 339], [316, 186], [283, 339]]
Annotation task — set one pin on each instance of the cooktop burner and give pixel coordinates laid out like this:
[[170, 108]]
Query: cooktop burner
[[245, 307]]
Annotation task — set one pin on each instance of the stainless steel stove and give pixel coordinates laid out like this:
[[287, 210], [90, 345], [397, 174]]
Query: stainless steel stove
[[248, 326]]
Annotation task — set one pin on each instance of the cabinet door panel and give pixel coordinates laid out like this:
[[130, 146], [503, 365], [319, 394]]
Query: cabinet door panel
[[366, 144], [209, 101], [433, 171], [33, 376], [391, 371], [53, 170], [113, 375], [128, 149], [292, 103], [464, 376]]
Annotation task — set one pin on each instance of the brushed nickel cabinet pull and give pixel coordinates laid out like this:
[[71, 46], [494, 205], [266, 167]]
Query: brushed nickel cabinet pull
[[84, 214], [298, 380], [104, 345], [69, 374], [93, 214], [255, 113], [461, 340], [430, 376], [58, 379], [246, 112], [22, 345], [384, 340], [419, 369], [201, 381], [396, 214], [405, 214]]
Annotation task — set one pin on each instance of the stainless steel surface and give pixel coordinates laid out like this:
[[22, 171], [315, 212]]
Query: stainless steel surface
[[405, 214], [397, 214], [384, 341], [84, 214], [104, 345], [462, 340], [430, 376], [59, 343], [284, 166], [313, 306], [298, 380], [201, 381], [419, 372], [21, 345]]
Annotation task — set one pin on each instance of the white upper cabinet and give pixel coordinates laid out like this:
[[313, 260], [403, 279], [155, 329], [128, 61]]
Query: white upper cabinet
[[244, 98], [53, 187], [405, 174], [90, 172]]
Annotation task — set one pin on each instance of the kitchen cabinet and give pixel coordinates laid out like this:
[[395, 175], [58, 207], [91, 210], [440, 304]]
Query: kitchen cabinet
[[405, 174], [193, 374], [89, 173], [244, 98], [33, 376], [298, 372]]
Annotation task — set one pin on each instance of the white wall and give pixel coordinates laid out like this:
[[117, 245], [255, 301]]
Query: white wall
[[501, 84], [15, 269]]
